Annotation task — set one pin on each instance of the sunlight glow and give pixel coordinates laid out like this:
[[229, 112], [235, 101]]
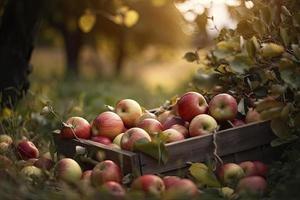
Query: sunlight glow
[[216, 8]]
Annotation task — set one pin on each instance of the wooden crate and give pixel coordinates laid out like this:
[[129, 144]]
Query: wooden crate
[[248, 142]]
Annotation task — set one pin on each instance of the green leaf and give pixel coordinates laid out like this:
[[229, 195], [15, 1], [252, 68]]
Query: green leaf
[[240, 63], [191, 56], [291, 77], [284, 36], [296, 50], [280, 128], [270, 50], [156, 149], [280, 141], [204, 175]]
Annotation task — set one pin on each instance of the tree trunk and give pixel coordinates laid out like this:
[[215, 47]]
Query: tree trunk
[[18, 29], [73, 43], [121, 51]]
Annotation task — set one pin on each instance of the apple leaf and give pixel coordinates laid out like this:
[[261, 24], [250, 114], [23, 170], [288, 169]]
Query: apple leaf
[[280, 128], [241, 106], [204, 175], [240, 63], [156, 149], [280, 141]]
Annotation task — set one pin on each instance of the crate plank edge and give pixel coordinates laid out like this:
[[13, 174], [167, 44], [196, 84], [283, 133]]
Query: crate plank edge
[[237, 144]]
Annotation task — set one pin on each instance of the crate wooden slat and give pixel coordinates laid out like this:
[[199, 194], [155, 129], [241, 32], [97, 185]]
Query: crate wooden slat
[[128, 161], [248, 142]]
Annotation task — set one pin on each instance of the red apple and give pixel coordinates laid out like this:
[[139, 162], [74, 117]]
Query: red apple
[[129, 111], [68, 170], [76, 126], [184, 131], [4, 147], [101, 139], [106, 171], [147, 115], [169, 181], [262, 169], [202, 124], [249, 168], [223, 107], [44, 162], [117, 139], [237, 122], [252, 184], [5, 162], [107, 124], [150, 184], [172, 135], [151, 126], [172, 120], [114, 189], [181, 189], [86, 177], [252, 116], [6, 138], [133, 135], [31, 173], [190, 105], [27, 150], [230, 173], [164, 116]]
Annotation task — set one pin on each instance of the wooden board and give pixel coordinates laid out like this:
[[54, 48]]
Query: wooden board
[[249, 142], [197, 149], [128, 161]]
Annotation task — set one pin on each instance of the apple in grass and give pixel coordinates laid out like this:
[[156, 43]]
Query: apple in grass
[[150, 184], [106, 171], [101, 139], [252, 184], [129, 111], [169, 181], [151, 126], [182, 129], [202, 124], [6, 138], [76, 126], [107, 124], [262, 169], [181, 189], [44, 162], [230, 173], [223, 107], [190, 105], [249, 168], [114, 189], [172, 135], [133, 135], [68, 170], [27, 150]]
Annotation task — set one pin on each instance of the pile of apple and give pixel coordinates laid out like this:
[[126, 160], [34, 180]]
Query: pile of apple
[[246, 177], [191, 116]]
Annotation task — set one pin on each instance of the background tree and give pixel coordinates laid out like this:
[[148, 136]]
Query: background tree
[[18, 28]]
